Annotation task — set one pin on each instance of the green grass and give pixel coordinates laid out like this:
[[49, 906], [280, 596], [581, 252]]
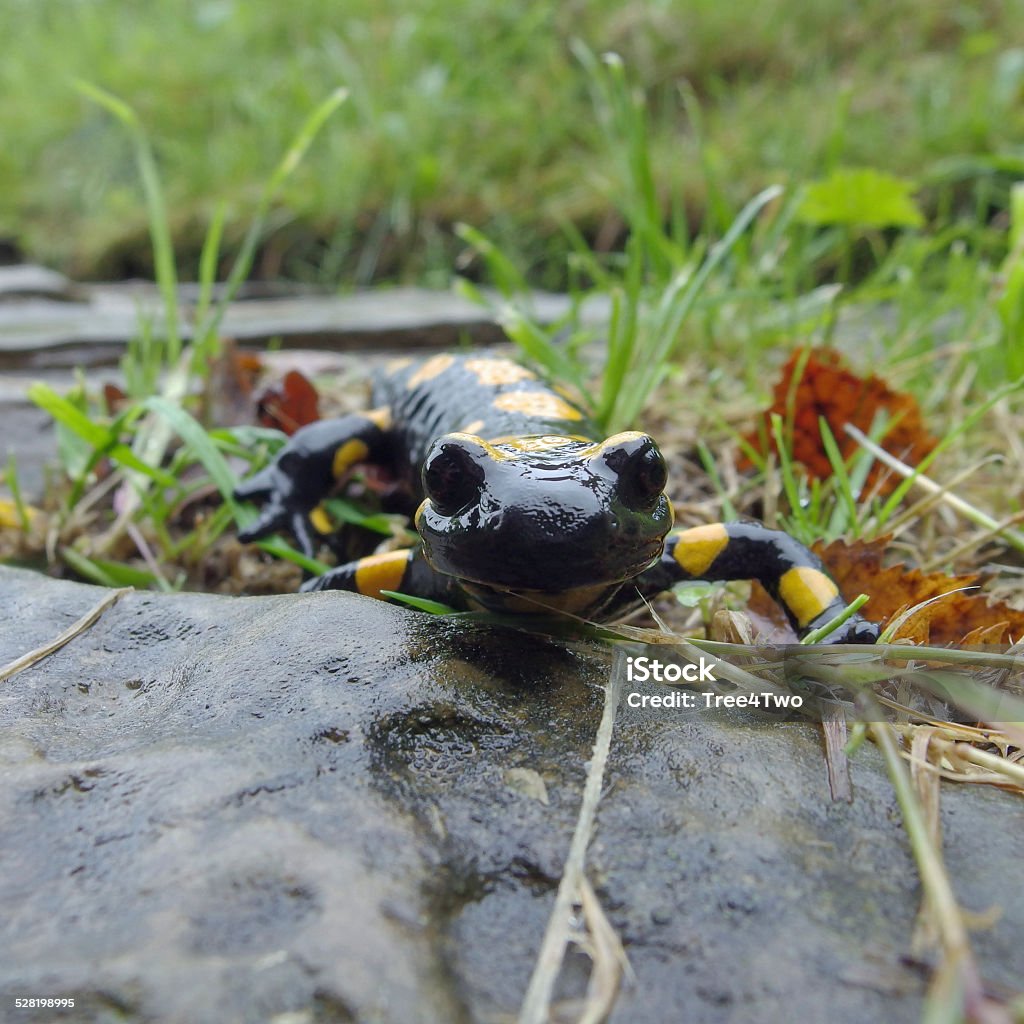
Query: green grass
[[463, 110], [706, 315]]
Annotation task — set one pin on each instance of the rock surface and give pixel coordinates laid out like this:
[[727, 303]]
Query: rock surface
[[320, 808], [46, 323]]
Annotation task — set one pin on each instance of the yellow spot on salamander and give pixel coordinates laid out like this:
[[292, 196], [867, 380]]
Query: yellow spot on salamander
[[698, 547], [381, 572], [535, 443], [612, 442], [538, 442], [321, 520], [348, 455], [494, 372], [380, 417], [393, 366], [419, 514], [806, 592], [473, 428], [542, 404], [429, 370], [471, 441]]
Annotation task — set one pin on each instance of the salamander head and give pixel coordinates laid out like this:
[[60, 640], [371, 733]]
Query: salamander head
[[545, 515]]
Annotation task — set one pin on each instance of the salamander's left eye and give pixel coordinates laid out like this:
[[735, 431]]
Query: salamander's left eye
[[641, 470], [452, 476]]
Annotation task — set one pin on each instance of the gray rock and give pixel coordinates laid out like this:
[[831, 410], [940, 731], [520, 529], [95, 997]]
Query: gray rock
[[25, 279], [95, 330], [235, 809]]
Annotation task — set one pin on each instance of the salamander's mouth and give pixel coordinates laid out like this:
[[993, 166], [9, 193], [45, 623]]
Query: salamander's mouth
[[581, 601], [539, 572]]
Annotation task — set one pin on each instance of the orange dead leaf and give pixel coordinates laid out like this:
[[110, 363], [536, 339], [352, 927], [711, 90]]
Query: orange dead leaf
[[826, 389], [114, 398], [767, 618], [985, 636], [955, 615], [289, 404]]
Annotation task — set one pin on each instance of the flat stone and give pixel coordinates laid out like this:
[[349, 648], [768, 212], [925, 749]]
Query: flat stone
[[25, 279], [239, 809], [95, 331]]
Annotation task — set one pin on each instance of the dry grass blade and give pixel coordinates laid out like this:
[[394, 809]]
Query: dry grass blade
[[967, 510], [927, 785], [916, 511], [605, 949], [972, 543], [833, 724], [537, 1002], [37, 655], [961, 762], [956, 991]]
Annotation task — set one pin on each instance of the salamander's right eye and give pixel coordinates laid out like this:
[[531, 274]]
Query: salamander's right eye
[[452, 476], [640, 467]]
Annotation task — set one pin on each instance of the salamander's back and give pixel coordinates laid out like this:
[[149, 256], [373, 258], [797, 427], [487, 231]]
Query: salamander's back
[[488, 396]]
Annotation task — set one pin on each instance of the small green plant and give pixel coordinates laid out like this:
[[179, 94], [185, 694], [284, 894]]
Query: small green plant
[[150, 478]]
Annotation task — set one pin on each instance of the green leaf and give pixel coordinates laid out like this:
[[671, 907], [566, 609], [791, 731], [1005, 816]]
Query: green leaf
[[861, 197], [421, 603], [347, 512], [98, 436], [200, 442], [105, 572]]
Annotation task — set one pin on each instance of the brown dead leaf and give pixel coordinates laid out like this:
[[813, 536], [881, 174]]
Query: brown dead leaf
[[827, 389], [289, 403], [954, 615]]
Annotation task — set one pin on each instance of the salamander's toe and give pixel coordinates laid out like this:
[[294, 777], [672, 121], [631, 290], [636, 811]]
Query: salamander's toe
[[259, 485], [271, 519]]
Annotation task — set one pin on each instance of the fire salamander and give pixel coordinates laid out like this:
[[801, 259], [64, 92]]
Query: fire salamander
[[522, 508]]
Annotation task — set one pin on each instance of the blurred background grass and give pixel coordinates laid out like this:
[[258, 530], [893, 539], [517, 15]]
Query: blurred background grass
[[464, 110]]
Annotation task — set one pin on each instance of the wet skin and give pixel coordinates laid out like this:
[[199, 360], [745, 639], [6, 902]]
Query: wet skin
[[521, 508]]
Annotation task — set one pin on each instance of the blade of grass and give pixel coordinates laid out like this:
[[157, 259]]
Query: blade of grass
[[20, 508], [421, 603], [965, 424], [159, 224], [851, 609], [303, 139], [105, 572], [914, 475]]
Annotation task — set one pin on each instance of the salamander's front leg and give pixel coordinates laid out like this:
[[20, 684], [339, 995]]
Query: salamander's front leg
[[405, 571], [306, 470], [743, 551]]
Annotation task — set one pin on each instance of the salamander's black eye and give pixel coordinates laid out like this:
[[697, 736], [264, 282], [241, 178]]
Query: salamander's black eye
[[641, 470], [452, 477]]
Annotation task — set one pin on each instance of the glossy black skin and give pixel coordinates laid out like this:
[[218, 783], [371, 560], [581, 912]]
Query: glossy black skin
[[567, 515], [521, 509]]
